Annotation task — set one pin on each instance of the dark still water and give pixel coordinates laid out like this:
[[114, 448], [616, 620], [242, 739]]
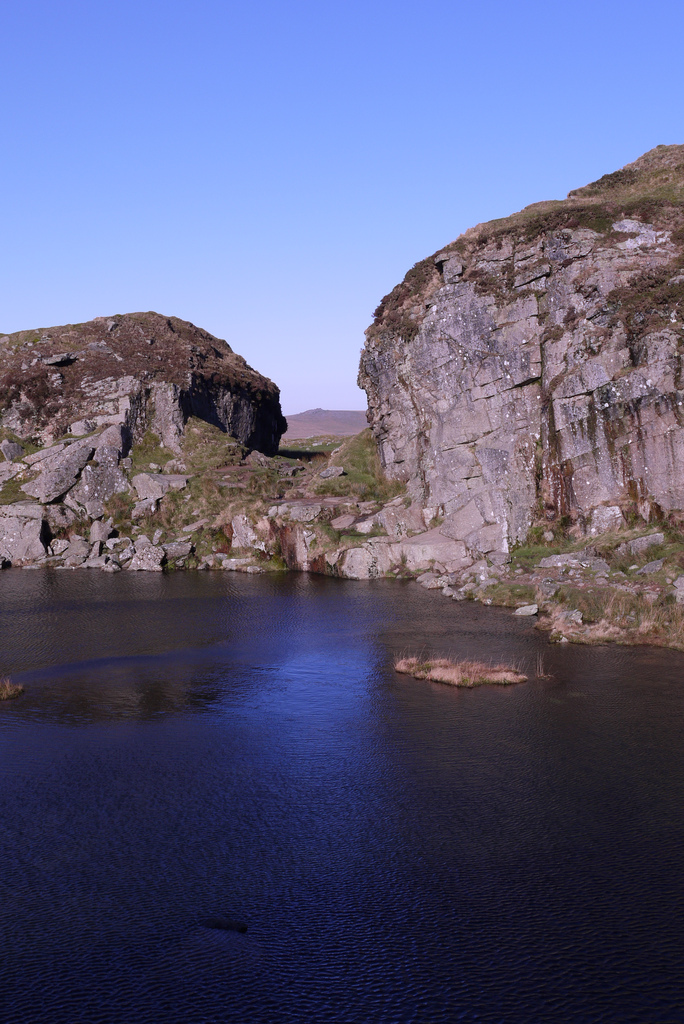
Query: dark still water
[[198, 745]]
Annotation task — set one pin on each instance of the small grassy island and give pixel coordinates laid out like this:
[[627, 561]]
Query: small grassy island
[[459, 673]]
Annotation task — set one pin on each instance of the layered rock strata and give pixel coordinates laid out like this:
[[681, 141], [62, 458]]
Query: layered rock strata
[[532, 370], [139, 371]]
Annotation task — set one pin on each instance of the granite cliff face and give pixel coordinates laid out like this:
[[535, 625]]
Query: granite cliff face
[[139, 371], [532, 369]]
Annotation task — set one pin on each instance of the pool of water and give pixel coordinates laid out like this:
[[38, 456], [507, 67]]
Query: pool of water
[[203, 744]]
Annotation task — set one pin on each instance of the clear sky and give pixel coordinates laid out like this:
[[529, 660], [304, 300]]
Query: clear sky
[[270, 170]]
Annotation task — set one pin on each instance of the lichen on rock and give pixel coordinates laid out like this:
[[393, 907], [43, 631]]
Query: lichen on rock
[[531, 370]]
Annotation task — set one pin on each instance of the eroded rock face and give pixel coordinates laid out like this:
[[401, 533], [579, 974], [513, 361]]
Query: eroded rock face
[[532, 369], [135, 372]]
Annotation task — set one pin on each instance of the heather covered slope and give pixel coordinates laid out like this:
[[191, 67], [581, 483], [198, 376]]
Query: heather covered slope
[[141, 370], [530, 371]]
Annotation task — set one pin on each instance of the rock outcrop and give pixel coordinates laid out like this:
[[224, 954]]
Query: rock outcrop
[[532, 369], [139, 371]]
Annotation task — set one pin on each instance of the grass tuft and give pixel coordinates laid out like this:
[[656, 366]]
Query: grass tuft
[[8, 689], [364, 476]]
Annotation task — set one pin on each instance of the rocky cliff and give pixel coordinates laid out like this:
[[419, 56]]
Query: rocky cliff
[[531, 371], [139, 371]]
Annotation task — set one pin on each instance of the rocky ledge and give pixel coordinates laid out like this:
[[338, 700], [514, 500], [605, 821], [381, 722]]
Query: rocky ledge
[[219, 506], [214, 504]]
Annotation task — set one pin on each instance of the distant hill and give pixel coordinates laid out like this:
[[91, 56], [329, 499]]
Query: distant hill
[[340, 422]]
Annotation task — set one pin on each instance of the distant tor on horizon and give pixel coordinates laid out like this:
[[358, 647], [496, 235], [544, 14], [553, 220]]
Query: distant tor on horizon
[[338, 422]]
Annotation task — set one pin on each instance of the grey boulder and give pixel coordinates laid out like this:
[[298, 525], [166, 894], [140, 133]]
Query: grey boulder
[[21, 533], [59, 474], [77, 552], [527, 609], [11, 450], [149, 559], [100, 531], [100, 481], [7, 471], [155, 485], [178, 549]]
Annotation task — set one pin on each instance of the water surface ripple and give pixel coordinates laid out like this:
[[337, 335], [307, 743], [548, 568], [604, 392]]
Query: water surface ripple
[[198, 745]]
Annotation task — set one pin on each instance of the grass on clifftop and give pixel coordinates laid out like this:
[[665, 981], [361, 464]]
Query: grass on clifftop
[[364, 476]]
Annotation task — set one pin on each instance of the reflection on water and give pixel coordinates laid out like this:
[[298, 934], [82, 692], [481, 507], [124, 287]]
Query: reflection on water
[[211, 744]]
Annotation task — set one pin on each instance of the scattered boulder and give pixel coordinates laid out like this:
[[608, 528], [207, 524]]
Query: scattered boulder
[[116, 436], [178, 549], [640, 544], [43, 454], [60, 359], [100, 531], [330, 472], [651, 567], [22, 533], [11, 450], [343, 522], [82, 427], [99, 482], [527, 609], [59, 474], [156, 485], [258, 459], [174, 466], [77, 552], [429, 580], [8, 470], [575, 560], [604, 519], [398, 521], [303, 513], [430, 547], [149, 559], [197, 525], [144, 508]]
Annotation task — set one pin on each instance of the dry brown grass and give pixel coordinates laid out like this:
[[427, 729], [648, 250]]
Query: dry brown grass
[[459, 673], [627, 618], [8, 689]]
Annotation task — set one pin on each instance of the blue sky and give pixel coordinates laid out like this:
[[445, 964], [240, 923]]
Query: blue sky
[[269, 171]]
